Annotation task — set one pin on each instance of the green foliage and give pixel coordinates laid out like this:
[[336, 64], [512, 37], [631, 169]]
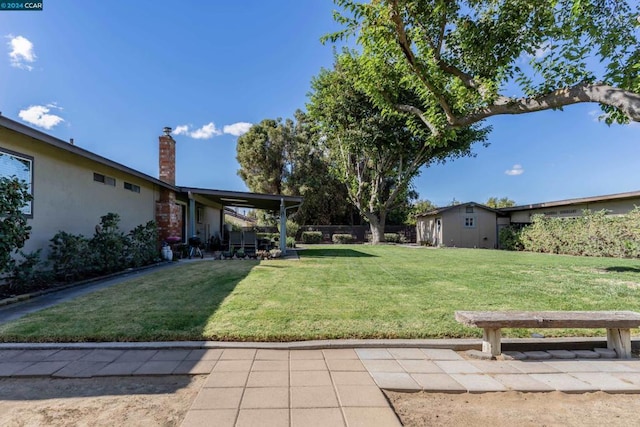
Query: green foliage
[[109, 245], [311, 237], [343, 238], [76, 257], [592, 234], [394, 238], [292, 228], [70, 256], [465, 61], [14, 231], [143, 244], [28, 274], [419, 207], [285, 157], [509, 238], [375, 152], [504, 202]]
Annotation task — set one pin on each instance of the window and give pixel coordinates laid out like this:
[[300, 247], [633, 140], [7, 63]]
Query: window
[[19, 166], [199, 215], [469, 209], [131, 187], [469, 222], [107, 180]]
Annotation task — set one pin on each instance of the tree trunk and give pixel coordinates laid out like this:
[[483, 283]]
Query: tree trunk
[[376, 225]]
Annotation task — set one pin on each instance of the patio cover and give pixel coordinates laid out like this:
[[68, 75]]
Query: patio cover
[[268, 202], [239, 199]]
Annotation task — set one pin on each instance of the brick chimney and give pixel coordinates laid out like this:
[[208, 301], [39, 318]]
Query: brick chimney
[[167, 157], [168, 213]]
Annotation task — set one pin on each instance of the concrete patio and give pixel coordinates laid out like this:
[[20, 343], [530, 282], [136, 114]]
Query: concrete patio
[[307, 387]]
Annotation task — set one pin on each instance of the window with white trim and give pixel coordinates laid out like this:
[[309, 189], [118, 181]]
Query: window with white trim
[[20, 166], [469, 222]]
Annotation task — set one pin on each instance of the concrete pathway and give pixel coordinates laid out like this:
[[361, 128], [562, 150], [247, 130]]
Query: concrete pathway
[[298, 387]]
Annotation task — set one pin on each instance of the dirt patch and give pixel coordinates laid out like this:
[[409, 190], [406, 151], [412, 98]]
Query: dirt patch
[[515, 409], [139, 401]]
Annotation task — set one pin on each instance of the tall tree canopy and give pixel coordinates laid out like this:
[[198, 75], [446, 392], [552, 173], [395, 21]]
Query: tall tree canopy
[[467, 60], [283, 157], [375, 153]]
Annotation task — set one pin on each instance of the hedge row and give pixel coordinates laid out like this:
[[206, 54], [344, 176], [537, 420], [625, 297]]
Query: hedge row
[[592, 234]]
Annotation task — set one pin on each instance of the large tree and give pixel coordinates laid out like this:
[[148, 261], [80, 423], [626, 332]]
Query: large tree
[[283, 157], [375, 153], [468, 60]]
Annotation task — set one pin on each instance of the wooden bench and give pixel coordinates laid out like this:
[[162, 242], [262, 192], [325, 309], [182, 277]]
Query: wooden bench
[[617, 323]]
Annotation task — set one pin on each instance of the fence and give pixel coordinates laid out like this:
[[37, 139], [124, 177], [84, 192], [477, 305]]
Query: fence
[[361, 232]]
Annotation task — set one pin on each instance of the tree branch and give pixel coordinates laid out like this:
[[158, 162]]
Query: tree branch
[[405, 46], [414, 110], [626, 101]]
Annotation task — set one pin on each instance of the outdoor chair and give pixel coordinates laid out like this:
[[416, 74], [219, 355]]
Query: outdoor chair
[[235, 241], [250, 242]]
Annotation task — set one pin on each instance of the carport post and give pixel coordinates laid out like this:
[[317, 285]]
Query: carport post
[[283, 227], [192, 216]]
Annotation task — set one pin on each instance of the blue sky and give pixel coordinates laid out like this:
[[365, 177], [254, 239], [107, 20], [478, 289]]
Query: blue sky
[[112, 74]]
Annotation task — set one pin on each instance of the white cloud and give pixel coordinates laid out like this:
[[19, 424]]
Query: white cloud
[[21, 53], [210, 130], [39, 115], [181, 130], [237, 129], [206, 132], [515, 170]]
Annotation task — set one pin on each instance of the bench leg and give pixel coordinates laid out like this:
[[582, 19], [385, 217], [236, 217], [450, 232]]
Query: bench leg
[[491, 341], [620, 341]]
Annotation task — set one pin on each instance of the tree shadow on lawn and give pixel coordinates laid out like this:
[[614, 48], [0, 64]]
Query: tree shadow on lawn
[[333, 253], [623, 269]]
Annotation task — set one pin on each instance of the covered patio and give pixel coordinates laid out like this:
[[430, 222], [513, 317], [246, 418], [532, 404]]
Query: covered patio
[[238, 199]]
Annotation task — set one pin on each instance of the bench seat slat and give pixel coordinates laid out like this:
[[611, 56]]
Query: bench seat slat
[[549, 319]]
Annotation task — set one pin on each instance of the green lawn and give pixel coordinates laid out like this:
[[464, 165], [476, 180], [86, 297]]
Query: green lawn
[[350, 291]]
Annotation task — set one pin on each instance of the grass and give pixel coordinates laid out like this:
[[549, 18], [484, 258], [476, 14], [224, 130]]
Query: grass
[[337, 292]]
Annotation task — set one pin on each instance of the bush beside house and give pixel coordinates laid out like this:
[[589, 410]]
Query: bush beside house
[[592, 234], [76, 257]]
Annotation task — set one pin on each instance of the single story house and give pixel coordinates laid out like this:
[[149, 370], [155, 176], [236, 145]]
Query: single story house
[[473, 225], [73, 187], [467, 225]]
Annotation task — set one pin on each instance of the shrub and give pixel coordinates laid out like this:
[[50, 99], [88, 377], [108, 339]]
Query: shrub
[[509, 238], [292, 228], [70, 256], [291, 242], [394, 238], [28, 274], [75, 257], [592, 234], [343, 238], [143, 244], [311, 237], [14, 194], [109, 245]]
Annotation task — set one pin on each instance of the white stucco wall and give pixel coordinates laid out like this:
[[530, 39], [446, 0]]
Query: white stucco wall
[[67, 198]]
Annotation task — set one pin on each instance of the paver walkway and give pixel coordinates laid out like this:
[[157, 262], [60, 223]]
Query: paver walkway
[[327, 387]]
